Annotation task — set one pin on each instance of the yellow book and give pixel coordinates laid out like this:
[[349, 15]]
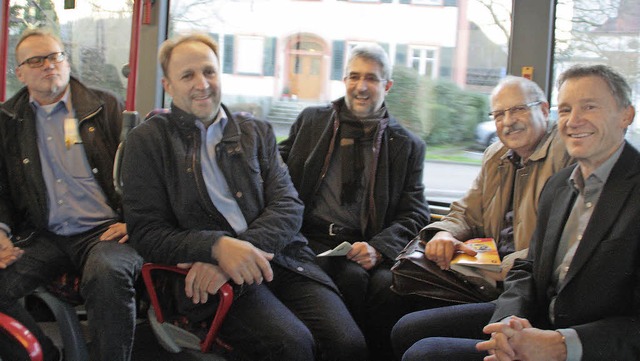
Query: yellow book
[[487, 257]]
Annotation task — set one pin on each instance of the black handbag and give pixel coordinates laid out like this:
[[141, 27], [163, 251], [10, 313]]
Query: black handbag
[[414, 274]]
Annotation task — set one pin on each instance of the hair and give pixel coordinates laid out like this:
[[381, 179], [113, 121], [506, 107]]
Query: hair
[[166, 49], [618, 86], [372, 52], [529, 88], [45, 32]]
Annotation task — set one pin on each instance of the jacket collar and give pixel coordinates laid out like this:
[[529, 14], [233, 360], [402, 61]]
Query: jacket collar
[[187, 122], [85, 101], [541, 151]]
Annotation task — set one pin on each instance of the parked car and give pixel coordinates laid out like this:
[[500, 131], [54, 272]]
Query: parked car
[[486, 131]]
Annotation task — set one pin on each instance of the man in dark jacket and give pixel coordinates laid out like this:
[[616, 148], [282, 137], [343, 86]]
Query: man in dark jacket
[[207, 190], [59, 211], [359, 174]]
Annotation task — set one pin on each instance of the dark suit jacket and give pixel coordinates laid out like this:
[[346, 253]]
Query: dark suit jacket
[[601, 295]]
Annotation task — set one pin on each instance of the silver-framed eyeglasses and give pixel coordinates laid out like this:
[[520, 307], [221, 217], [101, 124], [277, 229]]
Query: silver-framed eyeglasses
[[498, 115], [38, 61]]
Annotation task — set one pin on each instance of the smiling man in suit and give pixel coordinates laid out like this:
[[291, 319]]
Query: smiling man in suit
[[576, 296]]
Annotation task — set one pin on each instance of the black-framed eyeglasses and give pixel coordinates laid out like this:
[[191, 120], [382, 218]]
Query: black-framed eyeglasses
[[498, 115], [38, 61]]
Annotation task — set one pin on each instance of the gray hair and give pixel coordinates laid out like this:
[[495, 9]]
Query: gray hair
[[372, 52], [618, 86], [530, 89]]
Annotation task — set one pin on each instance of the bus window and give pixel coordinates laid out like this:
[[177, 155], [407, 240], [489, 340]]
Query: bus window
[[447, 55], [602, 32], [96, 36]]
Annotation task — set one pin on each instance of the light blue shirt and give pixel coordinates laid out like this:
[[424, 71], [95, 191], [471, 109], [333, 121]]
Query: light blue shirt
[[217, 186], [76, 201]]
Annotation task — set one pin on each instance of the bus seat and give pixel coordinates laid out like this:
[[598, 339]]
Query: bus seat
[[22, 335], [174, 338], [61, 297]]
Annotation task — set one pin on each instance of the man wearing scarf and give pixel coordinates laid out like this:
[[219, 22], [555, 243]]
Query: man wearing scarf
[[359, 173]]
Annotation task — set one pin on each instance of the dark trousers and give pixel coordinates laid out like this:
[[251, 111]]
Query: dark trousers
[[447, 333], [108, 273], [370, 300], [292, 318]]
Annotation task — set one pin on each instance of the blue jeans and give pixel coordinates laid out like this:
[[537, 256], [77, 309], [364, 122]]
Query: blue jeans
[[447, 333], [108, 273]]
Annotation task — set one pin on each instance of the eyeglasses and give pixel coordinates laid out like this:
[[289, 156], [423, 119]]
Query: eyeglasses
[[498, 115], [38, 61]]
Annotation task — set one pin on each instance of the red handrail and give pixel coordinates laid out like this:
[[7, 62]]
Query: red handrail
[[22, 335], [136, 22], [4, 45]]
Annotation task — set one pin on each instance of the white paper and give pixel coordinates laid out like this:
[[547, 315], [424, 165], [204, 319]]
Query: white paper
[[341, 250]]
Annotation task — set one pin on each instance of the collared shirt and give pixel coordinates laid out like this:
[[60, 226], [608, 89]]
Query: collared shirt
[[217, 186], [588, 193], [76, 201]]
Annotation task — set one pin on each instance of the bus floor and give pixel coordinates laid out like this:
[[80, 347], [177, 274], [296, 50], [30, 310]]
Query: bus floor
[[145, 348]]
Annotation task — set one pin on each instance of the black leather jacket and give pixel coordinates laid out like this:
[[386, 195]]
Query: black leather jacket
[[23, 193]]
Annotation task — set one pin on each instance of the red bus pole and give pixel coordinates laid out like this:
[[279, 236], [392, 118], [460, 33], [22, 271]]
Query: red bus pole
[[136, 21], [4, 46]]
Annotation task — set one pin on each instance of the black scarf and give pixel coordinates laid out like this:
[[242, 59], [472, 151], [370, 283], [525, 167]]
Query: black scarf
[[353, 134]]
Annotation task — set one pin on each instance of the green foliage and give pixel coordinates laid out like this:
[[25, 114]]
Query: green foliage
[[22, 17], [403, 101], [436, 110]]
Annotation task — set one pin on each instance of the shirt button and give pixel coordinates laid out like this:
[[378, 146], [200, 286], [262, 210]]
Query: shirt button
[[60, 202], [95, 170], [58, 181], [239, 194], [92, 129], [300, 269], [26, 161], [589, 204], [579, 237], [49, 138]]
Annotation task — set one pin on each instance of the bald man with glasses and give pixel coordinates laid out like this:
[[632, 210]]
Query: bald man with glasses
[[59, 211]]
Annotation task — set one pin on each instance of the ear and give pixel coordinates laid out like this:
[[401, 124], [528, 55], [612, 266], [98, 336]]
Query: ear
[[628, 115], [19, 74], [388, 85], [167, 86]]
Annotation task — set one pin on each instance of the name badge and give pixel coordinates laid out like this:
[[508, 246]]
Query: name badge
[[71, 134]]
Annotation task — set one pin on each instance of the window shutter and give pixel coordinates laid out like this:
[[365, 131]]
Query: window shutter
[[269, 66], [337, 60], [227, 64], [401, 54]]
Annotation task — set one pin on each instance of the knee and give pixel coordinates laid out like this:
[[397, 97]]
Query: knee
[[352, 348], [112, 267], [401, 336]]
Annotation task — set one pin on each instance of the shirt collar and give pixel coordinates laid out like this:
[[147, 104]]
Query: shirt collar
[[600, 174], [64, 100]]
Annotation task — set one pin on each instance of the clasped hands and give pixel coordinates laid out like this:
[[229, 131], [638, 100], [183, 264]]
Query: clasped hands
[[515, 339], [238, 260]]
